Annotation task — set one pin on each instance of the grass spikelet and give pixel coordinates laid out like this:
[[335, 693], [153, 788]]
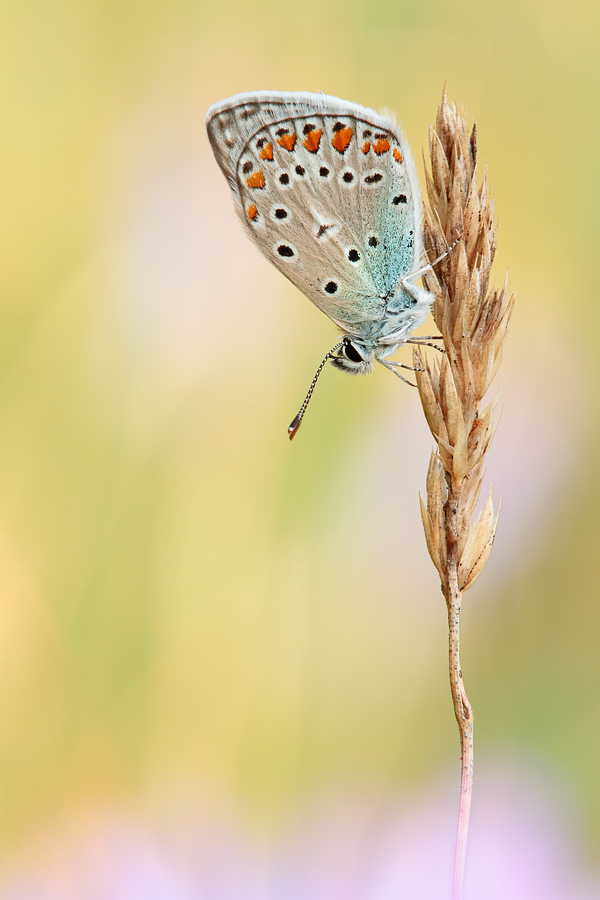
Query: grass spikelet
[[473, 321]]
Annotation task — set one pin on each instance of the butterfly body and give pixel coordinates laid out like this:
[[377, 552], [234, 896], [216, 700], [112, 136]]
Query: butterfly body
[[329, 193]]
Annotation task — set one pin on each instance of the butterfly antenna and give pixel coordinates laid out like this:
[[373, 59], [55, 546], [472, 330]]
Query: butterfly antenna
[[298, 420]]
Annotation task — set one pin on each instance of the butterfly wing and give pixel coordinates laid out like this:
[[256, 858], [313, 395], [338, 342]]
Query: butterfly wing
[[328, 191]]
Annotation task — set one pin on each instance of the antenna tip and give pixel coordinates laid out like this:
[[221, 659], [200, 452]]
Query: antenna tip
[[294, 426]]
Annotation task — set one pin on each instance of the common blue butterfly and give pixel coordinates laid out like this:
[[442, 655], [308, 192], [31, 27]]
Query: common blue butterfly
[[328, 191]]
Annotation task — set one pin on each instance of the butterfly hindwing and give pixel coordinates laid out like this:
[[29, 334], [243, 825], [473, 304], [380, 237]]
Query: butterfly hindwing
[[327, 190]]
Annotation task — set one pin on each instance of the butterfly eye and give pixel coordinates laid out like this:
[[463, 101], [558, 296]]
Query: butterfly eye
[[352, 353]]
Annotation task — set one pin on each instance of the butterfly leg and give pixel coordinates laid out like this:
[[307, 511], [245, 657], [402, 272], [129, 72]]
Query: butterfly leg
[[421, 343], [429, 267], [400, 365], [388, 365]]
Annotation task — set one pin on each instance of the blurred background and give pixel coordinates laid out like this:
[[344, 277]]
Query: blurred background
[[223, 656]]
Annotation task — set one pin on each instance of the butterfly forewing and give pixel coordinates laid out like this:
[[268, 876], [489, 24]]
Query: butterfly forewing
[[327, 191]]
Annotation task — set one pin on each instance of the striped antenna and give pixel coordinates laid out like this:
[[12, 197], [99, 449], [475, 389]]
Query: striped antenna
[[298, 420]]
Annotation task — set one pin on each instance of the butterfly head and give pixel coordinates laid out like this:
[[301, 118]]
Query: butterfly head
[[355, 356]]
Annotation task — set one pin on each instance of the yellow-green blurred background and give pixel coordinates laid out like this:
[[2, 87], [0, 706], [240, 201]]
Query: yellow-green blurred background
[[212, 637]]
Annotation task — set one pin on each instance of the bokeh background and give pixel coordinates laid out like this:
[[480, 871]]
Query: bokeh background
[[222, 655]]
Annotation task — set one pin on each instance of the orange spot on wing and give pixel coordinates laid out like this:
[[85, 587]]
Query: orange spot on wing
[[266, 152], [397, 155], [287, 141], [366, 147], [252, 211], [381, 146], [312, 140], [256, 180], [341, 139]]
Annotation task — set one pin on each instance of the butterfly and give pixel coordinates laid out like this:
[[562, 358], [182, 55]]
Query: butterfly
[[328, 191]]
